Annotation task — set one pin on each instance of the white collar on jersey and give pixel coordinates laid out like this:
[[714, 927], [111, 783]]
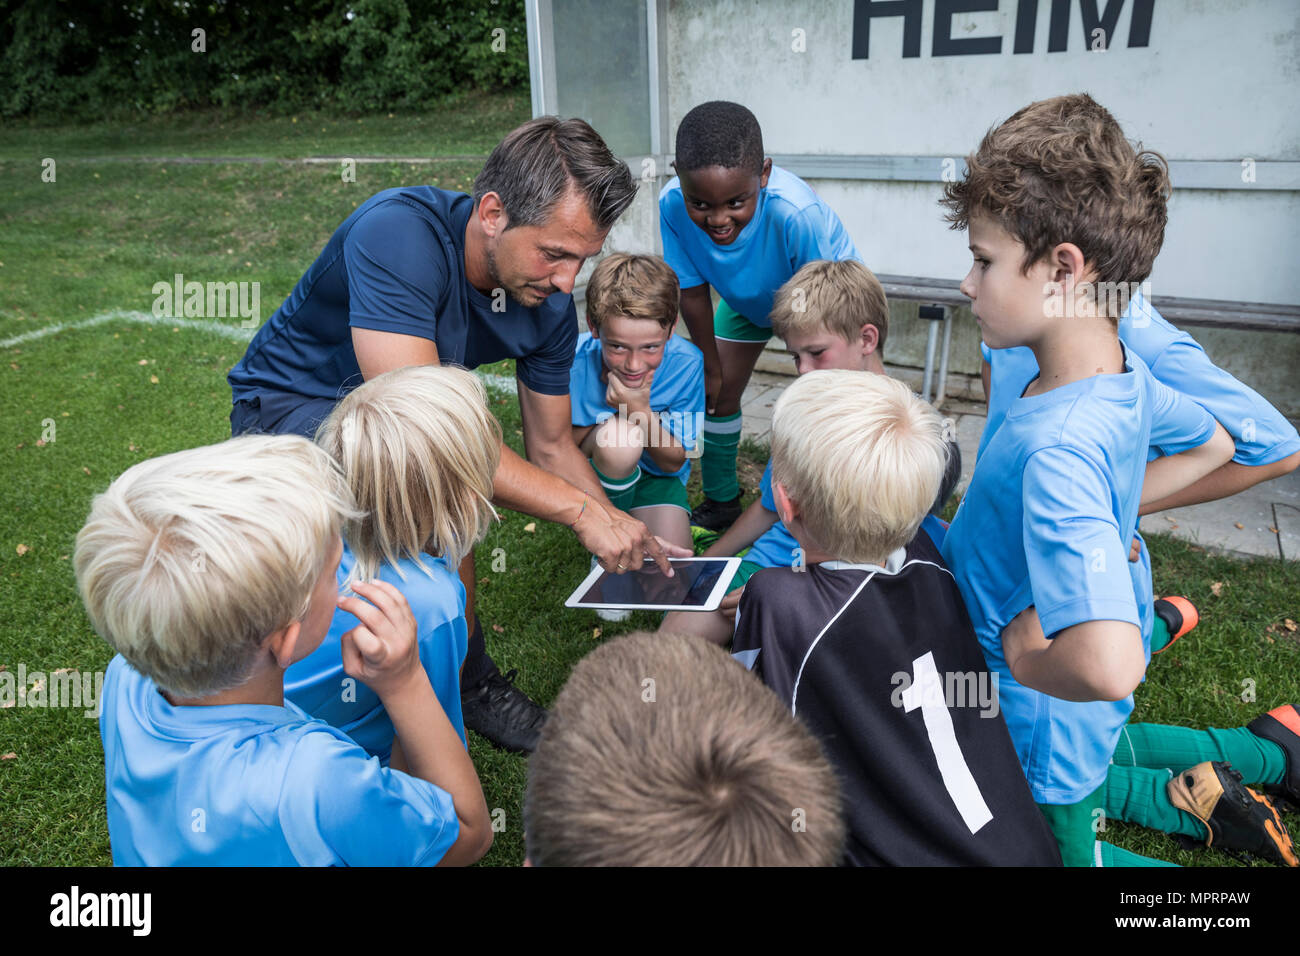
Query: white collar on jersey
[[893, 564]]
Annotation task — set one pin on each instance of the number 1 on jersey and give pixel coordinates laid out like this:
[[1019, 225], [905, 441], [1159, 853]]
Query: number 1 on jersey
[[926, 692]]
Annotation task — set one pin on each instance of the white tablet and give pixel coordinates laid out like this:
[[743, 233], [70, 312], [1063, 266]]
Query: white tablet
[[697, 584]]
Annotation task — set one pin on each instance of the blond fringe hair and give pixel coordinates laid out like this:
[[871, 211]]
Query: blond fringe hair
[[838, 297], [419, 450], [707, 771], [188, 561], [862, 457]]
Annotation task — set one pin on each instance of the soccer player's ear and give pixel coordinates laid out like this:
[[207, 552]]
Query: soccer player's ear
[[767, 171], [1067, 265], [786, 509], [870, 338], [281, 643]]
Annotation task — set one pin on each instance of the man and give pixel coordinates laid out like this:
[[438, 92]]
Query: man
[[420, 275]]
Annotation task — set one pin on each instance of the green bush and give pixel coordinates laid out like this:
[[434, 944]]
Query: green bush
[[77, 58]]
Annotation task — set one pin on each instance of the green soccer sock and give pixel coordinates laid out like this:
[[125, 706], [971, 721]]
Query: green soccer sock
[[1140, 795], [1076, 826], [1073, 825], [718, 458], [1111, 855], [619, 491], [1159, 634], [1259, 761]]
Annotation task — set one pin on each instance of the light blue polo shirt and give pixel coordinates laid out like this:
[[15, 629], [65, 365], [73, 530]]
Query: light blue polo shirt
[[792, 226], [254, 785], [1047, 520], [318, 684], [676, 394]]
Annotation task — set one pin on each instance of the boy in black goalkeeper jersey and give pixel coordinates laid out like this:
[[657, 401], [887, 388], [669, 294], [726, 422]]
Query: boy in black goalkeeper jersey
[[867, 640]]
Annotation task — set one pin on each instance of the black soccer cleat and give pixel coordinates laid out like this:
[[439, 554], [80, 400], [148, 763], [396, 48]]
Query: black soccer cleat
[[502, 713], [716, 515], [1236, 817], [1282, 726]]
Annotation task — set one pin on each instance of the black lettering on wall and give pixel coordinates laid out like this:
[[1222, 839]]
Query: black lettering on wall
[[1058, 28], [1139, 28], [864, 10], [1106, 21], [1026, 22], [944, 42]]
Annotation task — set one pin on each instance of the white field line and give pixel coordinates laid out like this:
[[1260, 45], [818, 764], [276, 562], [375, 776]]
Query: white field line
[[490, 380]]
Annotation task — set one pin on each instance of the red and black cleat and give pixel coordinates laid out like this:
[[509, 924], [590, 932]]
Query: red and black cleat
[[1281, 725]]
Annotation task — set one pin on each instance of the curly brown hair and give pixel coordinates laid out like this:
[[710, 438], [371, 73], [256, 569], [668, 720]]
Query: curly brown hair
[[1061, 170]]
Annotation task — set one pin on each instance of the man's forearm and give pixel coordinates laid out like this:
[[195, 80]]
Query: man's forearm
[[523, 486], [566, 460]]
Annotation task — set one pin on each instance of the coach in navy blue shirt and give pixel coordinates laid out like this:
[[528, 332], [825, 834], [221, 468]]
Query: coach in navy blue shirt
[[419, 275]]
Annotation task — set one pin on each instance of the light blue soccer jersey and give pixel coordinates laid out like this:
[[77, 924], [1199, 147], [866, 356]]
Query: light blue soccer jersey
[[1262, 435], [1047, 520], [319, 686], [791, 227], [676, 394], [254, 785]]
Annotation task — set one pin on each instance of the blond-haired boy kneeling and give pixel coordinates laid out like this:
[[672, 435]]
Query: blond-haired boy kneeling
[[210, 571]]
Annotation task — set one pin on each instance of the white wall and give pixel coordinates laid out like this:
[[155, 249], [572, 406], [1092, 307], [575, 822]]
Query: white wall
[[1219, 81]]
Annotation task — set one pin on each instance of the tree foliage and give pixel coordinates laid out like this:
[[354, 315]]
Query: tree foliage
[[77, 58]]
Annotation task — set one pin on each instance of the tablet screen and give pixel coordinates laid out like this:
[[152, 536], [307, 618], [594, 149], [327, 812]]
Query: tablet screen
[[690, 586]]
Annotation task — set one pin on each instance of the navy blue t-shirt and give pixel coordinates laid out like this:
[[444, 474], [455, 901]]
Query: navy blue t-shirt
[[397, 264]]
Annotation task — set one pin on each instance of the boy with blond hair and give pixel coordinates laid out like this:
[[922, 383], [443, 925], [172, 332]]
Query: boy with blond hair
[[830, 315], [637, 392], [418, 448], [661, 751], [211, 571], [1060, 208], [868, 643]]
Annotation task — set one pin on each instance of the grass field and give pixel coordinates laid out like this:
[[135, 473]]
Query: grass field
[[83, 403]]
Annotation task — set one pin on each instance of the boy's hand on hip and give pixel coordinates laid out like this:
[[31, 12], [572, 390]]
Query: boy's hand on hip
[[382, 651], [1135, 550]]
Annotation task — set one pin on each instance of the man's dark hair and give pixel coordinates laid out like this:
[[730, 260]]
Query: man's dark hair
[[537, 163], [719, 133]]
